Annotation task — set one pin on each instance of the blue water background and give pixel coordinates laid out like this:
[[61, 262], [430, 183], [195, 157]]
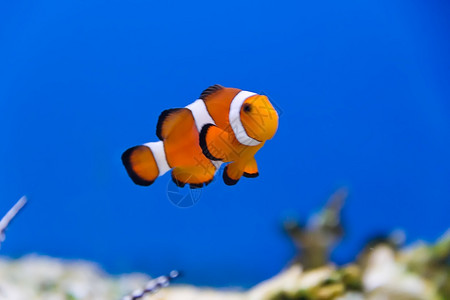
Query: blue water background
[[363, 90]]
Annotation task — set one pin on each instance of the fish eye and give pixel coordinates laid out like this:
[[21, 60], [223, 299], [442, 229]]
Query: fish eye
[[247, 107]]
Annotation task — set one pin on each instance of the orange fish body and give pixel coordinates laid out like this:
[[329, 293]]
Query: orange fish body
[[225, 125]]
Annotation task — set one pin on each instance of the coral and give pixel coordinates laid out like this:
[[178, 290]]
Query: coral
[[315, 240], [383, 271]]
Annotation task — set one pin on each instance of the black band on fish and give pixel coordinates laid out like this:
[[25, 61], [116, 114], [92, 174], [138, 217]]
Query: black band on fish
[[227, 179], [251, 175], [203, 144]]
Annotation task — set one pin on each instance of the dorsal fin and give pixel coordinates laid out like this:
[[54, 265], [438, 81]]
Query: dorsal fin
[[210, 90], [168, 120], [161, 119]]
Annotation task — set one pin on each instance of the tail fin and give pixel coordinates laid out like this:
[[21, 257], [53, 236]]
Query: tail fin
[[145, 163]]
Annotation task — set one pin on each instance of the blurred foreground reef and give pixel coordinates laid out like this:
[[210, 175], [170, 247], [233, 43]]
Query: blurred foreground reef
[[384, 270]]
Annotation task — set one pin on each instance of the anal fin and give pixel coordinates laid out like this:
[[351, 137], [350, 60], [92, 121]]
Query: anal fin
[[251, 169], [196, 177]]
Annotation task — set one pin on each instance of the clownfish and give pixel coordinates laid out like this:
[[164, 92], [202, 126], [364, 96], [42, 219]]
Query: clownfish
[[225, 125]]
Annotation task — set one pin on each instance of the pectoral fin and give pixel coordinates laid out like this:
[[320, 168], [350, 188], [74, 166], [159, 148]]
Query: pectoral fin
[[216, 143]]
